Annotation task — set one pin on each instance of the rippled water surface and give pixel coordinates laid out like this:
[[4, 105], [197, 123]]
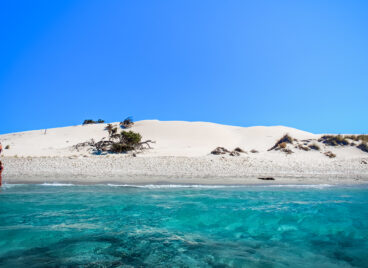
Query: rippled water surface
[[120, 226]]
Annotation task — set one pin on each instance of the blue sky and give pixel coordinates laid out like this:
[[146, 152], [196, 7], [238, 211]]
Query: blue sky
[[302, 64]]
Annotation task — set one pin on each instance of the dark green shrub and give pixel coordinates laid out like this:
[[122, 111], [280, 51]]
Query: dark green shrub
[[7, 147], [131, 138], [88, 121], [120, 148]]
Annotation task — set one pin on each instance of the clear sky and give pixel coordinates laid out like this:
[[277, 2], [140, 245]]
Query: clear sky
[[302, 64]]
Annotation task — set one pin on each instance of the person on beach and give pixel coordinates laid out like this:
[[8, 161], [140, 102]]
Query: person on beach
[[1, 171], [1, 148]]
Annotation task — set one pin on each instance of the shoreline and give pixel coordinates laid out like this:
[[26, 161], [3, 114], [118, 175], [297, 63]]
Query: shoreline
[[207, 170], [188, 185]]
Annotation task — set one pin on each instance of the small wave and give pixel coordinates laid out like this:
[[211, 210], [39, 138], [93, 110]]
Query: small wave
[[199, 186], [163, 186], [314, 186], [8, 186], [56, 184]]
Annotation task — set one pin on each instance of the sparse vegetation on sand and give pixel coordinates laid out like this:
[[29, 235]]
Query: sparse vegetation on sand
[[314, 146], [127, 123], [122, 142], [334, 140], [253, 151], [90, 121], [221, 150], [363, 146], [340, 140], [111, 129], [239, 150], [330, 154], [304, 148], [281, 143], [363, 137], [7, 147]]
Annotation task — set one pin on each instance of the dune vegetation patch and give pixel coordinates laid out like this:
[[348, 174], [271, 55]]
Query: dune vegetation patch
[[362, 137], [334, 140], [314, 146], [363, 146], [282, 143], [222, 150], [330, 154], [90, 121], [116, 142]]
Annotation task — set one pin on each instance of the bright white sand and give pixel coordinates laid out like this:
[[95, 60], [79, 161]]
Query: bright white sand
[[181, 155]]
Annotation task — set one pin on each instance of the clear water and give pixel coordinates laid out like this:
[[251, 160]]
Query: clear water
[[107, 226]]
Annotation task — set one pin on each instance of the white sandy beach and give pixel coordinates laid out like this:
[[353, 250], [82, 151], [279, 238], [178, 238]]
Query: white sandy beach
[[181, 154]]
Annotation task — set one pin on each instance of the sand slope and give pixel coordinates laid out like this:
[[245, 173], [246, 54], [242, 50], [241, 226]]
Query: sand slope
[[173, 138]]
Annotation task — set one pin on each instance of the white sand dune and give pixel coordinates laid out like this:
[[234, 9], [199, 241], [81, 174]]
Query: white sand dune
[[182, 150], [173, 138]]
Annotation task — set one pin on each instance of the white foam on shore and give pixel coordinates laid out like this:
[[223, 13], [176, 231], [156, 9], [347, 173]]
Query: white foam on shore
[[7, 185], [57, 184], [316, 186], [198, 186], [163, 186]]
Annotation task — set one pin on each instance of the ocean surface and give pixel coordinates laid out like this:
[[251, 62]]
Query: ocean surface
[[62, 225]]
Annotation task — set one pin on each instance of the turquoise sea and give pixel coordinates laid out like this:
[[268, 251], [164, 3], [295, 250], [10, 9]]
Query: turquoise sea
[[56, 225]]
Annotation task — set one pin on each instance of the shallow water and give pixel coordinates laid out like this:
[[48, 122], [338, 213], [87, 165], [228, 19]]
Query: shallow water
[[55, 225]]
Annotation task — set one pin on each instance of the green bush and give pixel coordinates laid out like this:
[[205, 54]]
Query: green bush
[[88, 121], [128, 141], [120, 148], [131, 138]]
